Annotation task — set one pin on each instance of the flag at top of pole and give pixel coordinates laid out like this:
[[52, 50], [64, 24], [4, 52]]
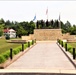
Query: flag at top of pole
[[34, 18]]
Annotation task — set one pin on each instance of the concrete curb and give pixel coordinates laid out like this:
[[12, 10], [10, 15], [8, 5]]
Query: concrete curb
[[45, 41], [68, 56], [9, 61], [37, 72]]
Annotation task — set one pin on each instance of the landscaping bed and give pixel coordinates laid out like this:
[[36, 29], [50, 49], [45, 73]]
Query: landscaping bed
[[4, 46], [70, 46], [15, 57], [5, 57]]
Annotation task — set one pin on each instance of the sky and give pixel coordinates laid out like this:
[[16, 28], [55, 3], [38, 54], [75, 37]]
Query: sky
[[20, 10]]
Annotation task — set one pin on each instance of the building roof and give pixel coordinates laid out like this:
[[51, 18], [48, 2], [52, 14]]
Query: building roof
[[8, 30], [12, 30]]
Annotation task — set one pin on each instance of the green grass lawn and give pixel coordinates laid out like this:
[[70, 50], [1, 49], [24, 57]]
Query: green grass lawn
[[73, 44], [70, 46], [4, 46]]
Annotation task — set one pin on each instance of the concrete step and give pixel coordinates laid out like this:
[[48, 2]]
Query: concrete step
[[35, 74]]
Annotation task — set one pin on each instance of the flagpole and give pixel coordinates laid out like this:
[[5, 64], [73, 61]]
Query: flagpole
[[47, 16], [59, 22], [47, 13], [34, 20]]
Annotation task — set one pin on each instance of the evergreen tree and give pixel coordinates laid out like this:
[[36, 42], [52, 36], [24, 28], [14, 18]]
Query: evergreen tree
[[47, 23]]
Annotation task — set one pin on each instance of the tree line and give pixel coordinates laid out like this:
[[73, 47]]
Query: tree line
[[26, 28], [21, 28], [54, 24], [41, 24]]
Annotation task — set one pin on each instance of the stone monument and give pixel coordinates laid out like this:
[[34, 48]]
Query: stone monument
[[47, 34]]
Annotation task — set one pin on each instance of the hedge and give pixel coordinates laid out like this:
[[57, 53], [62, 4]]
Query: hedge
[[4, 56], [2, 59], [69, 47]]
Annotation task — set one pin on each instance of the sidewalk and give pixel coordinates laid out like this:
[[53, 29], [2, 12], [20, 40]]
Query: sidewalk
[[44, 55]]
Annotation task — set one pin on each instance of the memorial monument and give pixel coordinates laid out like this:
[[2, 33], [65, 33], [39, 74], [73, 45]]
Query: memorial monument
[[48, 34]]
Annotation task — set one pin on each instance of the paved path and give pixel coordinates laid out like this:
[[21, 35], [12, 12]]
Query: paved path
[[46, 55]]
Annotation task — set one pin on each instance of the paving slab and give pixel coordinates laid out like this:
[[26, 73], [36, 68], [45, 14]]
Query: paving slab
[[44, 55]]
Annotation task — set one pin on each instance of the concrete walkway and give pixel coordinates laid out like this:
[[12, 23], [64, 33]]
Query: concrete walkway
[[44, 55]]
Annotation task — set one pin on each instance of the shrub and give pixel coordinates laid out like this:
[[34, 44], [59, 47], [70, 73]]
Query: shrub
[[2, 59], [20, 49], [25, 45], [32, 42], [70, 48], [64, 44], [16, 51], [71, 51], [6, 55], [60, 41], [7, 36]]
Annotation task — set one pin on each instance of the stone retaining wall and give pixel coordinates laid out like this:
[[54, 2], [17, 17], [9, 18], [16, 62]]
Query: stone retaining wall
[[71, 40], [68, 36], [47, 34], [30, 37]]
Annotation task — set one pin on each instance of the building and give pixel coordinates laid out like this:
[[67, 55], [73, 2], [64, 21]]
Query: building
[[10, 32]]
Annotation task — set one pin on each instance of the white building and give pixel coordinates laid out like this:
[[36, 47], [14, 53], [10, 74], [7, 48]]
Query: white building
[[10, 32]]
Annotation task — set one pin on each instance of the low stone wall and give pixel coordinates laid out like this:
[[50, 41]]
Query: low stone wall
[[30, 37], [48, 34], [71, 40], [68, 36], [25, 38]]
